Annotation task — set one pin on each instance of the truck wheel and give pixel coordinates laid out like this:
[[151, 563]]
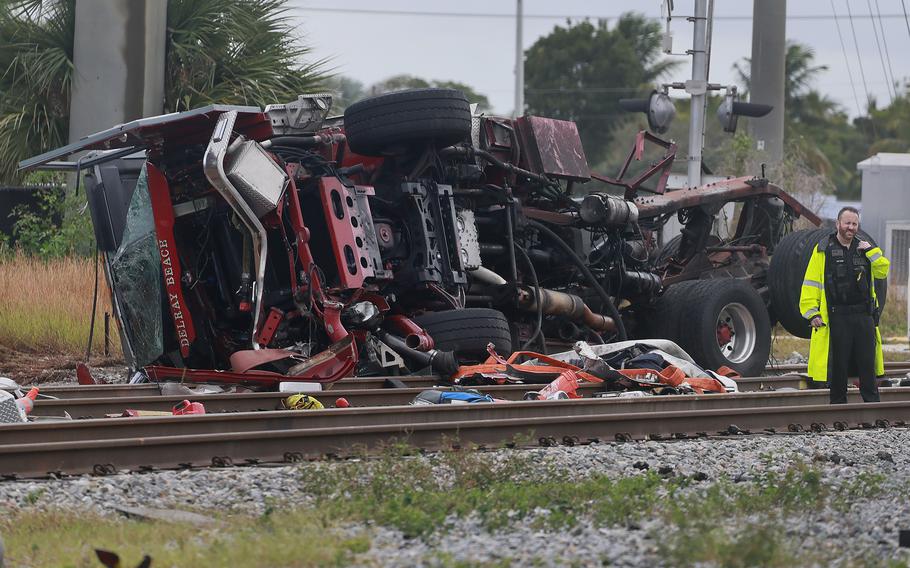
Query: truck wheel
[[666, 319], [394, 123], [468, 331], [786, 273], [785, 278], [669, 250], [722, 322]]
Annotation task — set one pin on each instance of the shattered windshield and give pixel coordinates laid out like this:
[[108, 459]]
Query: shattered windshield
[[136, 275]]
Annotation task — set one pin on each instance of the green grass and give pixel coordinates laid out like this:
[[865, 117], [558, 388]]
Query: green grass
[[893, 322], [717, 525], [421, 505], [783, 345], [717, 522], [292, 538]]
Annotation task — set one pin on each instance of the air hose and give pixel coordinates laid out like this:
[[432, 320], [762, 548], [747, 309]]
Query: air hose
[[608, 303]]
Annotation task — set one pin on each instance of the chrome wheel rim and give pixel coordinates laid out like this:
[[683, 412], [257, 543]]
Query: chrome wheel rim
[[736, 332]]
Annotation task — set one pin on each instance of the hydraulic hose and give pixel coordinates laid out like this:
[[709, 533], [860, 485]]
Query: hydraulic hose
[[608, 303], [538, 331]]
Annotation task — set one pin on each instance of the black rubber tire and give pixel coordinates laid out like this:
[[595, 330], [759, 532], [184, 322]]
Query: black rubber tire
[[691, 312], [786, 273], [395, 123], [669, 249], [468, 331], [666, 319], [785, 278]]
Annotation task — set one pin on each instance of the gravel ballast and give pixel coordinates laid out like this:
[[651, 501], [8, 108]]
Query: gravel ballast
[[869, 529]]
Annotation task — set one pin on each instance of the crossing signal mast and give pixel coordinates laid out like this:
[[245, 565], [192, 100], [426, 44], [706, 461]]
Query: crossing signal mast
[[659, 107]]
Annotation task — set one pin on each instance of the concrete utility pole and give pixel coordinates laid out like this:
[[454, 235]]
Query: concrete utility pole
[[118, 55], [697, 87], [519, 64], [769, 53]]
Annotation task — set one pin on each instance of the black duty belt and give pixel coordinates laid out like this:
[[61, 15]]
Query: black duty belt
[[863, 308]]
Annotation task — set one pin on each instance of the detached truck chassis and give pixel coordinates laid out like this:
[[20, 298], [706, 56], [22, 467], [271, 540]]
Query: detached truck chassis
[[410, 233]]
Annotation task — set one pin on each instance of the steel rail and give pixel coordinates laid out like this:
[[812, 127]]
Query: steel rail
[[289, 445], [123, 390], [148, 389], [892, 368], [801, 368], [259, 401], [100, 407], [155, 426], [69, 392]]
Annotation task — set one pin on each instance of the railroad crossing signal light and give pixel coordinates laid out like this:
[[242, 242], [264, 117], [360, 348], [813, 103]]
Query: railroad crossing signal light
[[658, 107], [730, 110]]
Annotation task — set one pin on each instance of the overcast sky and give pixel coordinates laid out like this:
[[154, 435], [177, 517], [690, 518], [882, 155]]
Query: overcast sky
[[473, 41]]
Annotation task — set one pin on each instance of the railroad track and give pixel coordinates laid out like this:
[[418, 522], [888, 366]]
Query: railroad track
[[368, 383], [294, 436], [785, 380], [246, 428], [897, 367], [97, 402], [154, 426]]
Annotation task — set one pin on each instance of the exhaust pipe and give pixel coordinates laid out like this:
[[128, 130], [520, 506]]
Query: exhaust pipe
[[562, 304], [415, 337]]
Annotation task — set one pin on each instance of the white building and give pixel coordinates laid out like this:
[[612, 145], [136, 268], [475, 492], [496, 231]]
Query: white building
[[886, 208]]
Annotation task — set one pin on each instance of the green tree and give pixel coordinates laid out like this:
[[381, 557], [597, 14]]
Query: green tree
[[36, 61], [886, 129], [227, 51], [57, 225], [235, 52], [816, 128], [402, 82], [800, 72], [345, 91], [580, 71]]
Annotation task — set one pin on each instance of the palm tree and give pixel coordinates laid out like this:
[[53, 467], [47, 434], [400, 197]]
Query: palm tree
[[227, 51], [235, 51], [36, 62], [799, 71]]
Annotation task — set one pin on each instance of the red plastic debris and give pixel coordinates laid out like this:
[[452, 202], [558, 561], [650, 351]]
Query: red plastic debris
[[84, 376], [566, 383], [187, 407], [27, 402]]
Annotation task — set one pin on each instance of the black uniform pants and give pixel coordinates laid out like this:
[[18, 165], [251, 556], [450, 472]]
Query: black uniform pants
[[851, 337]]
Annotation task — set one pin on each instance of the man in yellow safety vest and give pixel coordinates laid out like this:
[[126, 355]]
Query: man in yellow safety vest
[[838, 298]]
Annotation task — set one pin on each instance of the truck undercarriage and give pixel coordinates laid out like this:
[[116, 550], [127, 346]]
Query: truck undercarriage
[[409, 234]]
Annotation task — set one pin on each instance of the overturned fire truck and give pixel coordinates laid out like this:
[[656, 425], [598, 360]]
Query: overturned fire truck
[[408, 234]]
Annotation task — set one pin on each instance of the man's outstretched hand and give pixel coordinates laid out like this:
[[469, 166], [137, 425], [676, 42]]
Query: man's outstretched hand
[[816, 322]]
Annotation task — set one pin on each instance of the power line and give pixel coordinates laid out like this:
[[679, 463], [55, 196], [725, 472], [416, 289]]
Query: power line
[[906, 18], [847, 59], [885, 43], [862, 73], [878, 46], [367, 11], [559, 90]]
